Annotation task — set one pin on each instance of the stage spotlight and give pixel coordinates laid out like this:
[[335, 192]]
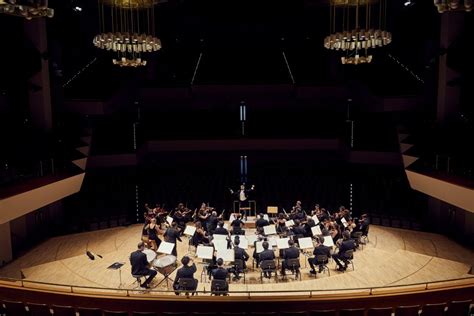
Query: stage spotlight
[[408, 3]]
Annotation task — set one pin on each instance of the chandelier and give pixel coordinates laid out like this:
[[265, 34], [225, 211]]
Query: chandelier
[[127, 28], [27, 9], [357, 26], [453, 5]]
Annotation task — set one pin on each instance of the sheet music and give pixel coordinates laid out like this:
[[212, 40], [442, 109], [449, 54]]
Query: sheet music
[[305, 243], [290, 223], [259, 246], [316, 230], [282, 243], [220, 244], [169, 220], [273, 241], [344, 222], [244, 244], [315, 219], [251, 239], [265, 217], [204, 252], [219, 237], [226, 254], [166, 247], [269, 230], [231, 218], [328, 242], [190, 230]]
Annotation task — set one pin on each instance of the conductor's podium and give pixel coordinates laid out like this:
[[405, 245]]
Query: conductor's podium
[[246, 208]]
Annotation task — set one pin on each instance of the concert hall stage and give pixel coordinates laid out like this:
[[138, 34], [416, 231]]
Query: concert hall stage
[[392, 257]]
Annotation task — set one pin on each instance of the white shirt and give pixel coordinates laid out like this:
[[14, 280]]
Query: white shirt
[[242, 196]]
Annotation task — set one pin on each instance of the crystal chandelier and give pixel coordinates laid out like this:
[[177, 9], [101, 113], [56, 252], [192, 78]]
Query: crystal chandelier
[[127, 28], [27, 9], [453, 5], [355, 27]]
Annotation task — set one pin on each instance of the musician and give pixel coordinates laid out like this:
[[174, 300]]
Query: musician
[[241, 254], [266, 254], [316, 211], [220, 273], [220, 230], [212, 222], [261, 222], [200, 236], [139, 264], [153, 229], [203, 214], [346, 244], [281, 224], [363, 225], [320, 249], [297, 212], [237, 226], [181, 215], [242, 195], [290, 253], [298, 230], [185, 272], [310, 223], [171, 235]]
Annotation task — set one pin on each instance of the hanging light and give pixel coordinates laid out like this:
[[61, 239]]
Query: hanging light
[[127, 28], [453, 5], [26, 9], [354, 29]]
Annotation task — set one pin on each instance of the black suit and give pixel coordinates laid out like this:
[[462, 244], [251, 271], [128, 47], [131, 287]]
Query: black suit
[[139, 265], [220, 274], [185, 272], [261, 223], [212, 224], [221, 231], [171, 235], [346, 245], [318, 251], [266, 255], [290, 253]]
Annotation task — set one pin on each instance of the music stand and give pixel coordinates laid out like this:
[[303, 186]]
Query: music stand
[[117, 266]]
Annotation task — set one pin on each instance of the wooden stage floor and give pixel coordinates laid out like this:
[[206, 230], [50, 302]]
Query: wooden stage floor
[[393, 257]]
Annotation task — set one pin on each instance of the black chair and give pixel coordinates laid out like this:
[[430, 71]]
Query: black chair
[[144, 314], [138, 279], [187, 285], [347, 257], [14, 308], [322, 261], [59, 310], [268, 266], [38, 309], [115, 313], [239, 266], [407, 310], [327, 312], [83, 311], [294, 266], [382, 311], [358, 239], [433, 309], [219, 287], [352, 312], [460, 308]]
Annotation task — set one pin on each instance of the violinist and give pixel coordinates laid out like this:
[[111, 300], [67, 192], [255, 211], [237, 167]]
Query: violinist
[[281, 224], [200, 236], [297, 212], [181, 215], [261, 221], [153, 229], [237, 226], [203, 214]]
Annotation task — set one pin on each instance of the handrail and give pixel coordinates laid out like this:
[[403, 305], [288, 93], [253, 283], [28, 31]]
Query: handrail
[[247, 293]]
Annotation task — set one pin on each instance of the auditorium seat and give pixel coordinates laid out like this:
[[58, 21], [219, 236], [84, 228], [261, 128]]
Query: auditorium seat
[[263, 314], [383, 311], [323, 313], [352, 312], [433, 309], [407, 310], [174, 314], [82, 311], [115, 313], [234, 314], [38, 309], [14, 308], [293, 313], [144, 314], [204, 314], [460, 308], [63, 310]]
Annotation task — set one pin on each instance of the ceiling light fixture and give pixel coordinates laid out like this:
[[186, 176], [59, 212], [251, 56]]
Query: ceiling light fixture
[[453, 5], [26, 9]]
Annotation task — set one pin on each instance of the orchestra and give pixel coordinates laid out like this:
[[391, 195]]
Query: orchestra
[[343, 230]]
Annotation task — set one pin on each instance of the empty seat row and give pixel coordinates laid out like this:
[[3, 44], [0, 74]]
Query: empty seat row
[[454, 308]]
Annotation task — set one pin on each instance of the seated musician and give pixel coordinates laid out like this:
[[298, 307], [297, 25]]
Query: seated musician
[[171, 235], [261, 222], [298, 230], [316, 211], [364, 224], [220, 273], [212, 222], [319, 250], [266, 254], [281, 224], [200, 236], [237, 226], [203, 215], [346, 244], [335, 232], [139, 264], [220, 230], [307, 227], [185, 272], [153, 229], [290, 253], [240, 254]]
